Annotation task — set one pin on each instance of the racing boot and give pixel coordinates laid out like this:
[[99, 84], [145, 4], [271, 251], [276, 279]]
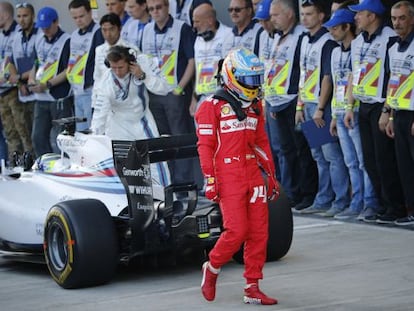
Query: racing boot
[[253, 295], [208, 283]]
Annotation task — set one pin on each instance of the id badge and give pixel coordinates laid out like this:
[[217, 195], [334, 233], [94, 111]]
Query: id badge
[[39, 73], [356, 76], [340, 93]]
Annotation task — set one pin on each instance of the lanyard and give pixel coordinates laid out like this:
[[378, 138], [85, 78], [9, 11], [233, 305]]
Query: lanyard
[[158, 49], [344, 65], [124, 92], [363, 52]]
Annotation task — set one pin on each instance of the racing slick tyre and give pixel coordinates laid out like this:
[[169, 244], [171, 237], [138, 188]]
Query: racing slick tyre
[[280, 230], [80, 243]]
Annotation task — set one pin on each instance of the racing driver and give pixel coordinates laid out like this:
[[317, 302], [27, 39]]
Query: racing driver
[[235, 157]]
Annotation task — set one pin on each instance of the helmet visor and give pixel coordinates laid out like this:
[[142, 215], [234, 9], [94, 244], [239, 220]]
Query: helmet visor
[[251, 82]]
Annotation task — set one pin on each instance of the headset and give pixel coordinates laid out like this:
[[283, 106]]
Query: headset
[[121, 52]]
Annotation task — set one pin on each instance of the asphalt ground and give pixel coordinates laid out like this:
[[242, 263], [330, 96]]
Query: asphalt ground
[[332, 265]]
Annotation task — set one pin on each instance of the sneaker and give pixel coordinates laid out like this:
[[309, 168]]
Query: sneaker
[[208, 283], [367, 212], [346, 214], [314, 209], [332, 212], [253, 295], [386, 219], [406, 221]]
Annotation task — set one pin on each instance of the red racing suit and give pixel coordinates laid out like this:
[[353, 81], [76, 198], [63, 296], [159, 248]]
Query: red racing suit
[[228, 150]]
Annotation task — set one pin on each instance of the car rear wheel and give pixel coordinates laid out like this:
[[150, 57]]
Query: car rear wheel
[[280, 230], [80, 243]]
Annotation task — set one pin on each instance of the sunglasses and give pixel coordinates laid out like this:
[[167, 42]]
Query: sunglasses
[[310, 2], [23, 5], [155, 8], [236, 10]]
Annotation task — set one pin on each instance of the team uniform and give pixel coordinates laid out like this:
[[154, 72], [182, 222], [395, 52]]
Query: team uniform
[[363, 193], [55, 103], [207, 55], [249, 38], [400, 96], [369, 87], [122, 112], [280, 94], [227, 150], [332, 196]]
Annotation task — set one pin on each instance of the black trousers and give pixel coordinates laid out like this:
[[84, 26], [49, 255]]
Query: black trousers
[[404, 149], [380, 160]]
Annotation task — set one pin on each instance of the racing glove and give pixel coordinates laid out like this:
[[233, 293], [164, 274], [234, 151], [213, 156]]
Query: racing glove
[[211, 189], [273, 189]]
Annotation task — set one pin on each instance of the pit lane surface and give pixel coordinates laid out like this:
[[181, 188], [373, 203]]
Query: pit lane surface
[[332, 266]]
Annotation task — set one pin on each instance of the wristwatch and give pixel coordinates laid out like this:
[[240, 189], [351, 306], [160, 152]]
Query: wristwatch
[[49, 85], [386, 109]]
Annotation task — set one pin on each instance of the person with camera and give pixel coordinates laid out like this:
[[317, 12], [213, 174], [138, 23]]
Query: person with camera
[[234, 152]]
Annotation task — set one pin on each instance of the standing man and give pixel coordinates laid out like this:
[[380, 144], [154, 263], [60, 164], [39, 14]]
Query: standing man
[[400, 97], [246, 30], [48, 82], [13, 114], [83, 43], [132, 32], [368, 53], [171, 41], [233, 147], [299, 176], [211, 45], [342, 28], [118, 7], [315, 92], [23, 59], [111, 32]]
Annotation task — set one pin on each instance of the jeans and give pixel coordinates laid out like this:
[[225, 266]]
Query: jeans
[[45, 132], [83, 109], [3, 144], [363, 193], [297, 167], [282, 173], [380, 160], [333, 175]]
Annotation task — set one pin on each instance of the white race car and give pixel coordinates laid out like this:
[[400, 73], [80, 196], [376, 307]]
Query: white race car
[[100, 203]]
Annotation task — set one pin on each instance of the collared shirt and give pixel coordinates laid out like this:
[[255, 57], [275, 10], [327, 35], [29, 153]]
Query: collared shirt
[[403, 44]]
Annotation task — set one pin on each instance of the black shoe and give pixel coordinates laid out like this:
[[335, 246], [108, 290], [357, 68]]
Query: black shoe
[[386, 219], [305, 203]]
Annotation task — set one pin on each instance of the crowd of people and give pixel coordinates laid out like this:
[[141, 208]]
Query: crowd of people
[[342, 68]]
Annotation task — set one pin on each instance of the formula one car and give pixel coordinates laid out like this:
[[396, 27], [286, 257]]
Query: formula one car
[[96, 205]]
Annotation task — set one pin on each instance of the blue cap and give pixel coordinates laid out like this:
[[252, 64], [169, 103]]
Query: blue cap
[[341, 16], [263, 10], [374, 6], [46, 16]]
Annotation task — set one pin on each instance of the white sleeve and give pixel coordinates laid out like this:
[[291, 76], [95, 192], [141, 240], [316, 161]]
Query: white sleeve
[[102, 106], [154, 79]]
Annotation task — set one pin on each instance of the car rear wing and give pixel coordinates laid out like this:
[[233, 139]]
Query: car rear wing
[[132, 161]]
